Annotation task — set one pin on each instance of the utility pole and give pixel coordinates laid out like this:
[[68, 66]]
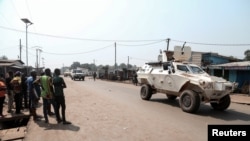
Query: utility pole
[[43, 62], [128, 67], [27, 23], [20, 49], [128, 61], [36, 60], [115, 55], [38, 56], [168, 39], [94, 66]]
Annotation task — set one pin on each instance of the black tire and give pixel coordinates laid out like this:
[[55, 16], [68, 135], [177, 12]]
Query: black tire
[[146, 92], [189, 101], [223, 104], [171, 97]]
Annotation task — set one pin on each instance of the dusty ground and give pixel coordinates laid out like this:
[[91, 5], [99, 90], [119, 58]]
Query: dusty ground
[[97, 117]]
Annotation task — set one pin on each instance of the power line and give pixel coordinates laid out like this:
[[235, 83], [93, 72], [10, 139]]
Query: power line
[[86, 39], [103, 40], [211, 44], [74, 38], [5, 19], [12, 46], [143, 44], [28, 8], [78, 52], [15, 9]]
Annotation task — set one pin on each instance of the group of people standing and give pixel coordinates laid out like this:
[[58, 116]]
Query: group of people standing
[[30, 89], [12, 86]]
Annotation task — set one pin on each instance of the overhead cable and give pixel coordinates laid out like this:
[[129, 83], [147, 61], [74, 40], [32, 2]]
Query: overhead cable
[[15, 9], [211, 44], [103, 40], [142, 44], [78, 52], [74, 38]]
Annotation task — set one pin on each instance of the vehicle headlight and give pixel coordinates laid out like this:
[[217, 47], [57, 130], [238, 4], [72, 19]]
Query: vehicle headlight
[[202, 82], [206, 85]]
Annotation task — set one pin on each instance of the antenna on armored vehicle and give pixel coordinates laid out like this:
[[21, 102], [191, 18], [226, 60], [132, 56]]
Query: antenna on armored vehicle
[[182, 49], [168, 39]]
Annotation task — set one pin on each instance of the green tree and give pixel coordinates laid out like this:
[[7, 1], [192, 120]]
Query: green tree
[[123, 65], [92, 67], [106, 67], [86, 66], [247, 55], [4, 57], [130, 66], [100, 67], [75, 65]]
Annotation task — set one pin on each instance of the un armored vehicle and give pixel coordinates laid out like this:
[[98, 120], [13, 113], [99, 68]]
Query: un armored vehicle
[[191, 84]]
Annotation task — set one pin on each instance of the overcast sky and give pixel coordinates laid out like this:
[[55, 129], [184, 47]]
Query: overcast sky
[[86, 30]]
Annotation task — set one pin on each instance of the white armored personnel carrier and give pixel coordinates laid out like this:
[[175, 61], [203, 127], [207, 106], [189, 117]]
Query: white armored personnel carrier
[[187, 81]]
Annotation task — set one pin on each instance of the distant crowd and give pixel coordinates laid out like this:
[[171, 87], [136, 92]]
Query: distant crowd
[[25, 92]]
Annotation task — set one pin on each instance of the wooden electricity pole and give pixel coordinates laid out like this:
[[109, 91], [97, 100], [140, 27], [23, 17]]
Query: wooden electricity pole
[[20, 50]]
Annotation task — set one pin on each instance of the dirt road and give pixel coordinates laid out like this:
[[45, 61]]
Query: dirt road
[[96, 117], [107, 111]]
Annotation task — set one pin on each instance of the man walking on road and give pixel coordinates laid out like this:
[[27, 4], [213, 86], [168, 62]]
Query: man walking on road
[[94, 75]]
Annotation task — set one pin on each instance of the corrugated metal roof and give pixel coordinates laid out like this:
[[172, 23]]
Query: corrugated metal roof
[[6, 64], [245, 65], [234, 64], [16, 66], [11, 61], [13, 65]]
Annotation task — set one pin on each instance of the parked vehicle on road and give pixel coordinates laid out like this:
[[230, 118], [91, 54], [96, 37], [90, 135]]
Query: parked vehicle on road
[[77, 74], [65, 74]]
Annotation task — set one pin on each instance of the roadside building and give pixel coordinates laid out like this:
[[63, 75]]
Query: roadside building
[[211, 58], [11, 65], [115, 74], [100, 73], [235, 72]]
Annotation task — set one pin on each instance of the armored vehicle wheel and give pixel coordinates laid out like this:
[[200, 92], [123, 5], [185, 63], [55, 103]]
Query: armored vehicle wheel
[[223, 103], [146, 92], [171, 97], [189, 101]]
